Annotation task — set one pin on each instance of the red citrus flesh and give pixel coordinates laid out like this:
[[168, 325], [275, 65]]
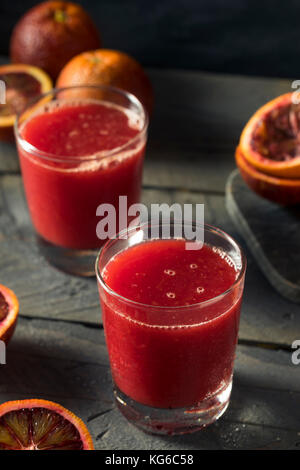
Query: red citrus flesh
[[41, 425], [9, 309], [270, 141], [22, 83], [20, 87]]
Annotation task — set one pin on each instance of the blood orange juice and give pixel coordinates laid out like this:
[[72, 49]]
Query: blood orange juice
[[171, 319], [76, 154]]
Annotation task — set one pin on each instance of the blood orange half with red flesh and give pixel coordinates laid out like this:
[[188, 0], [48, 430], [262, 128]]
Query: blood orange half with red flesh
[[41, 425], [22, 83], [9, 309], [270, 141]]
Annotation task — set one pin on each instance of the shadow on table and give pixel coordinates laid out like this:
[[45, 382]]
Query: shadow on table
[[256, 418], [187, 117], [56, 363]]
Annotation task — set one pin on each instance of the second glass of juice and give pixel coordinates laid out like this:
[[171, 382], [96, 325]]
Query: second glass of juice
[[171, 319], [79, 147]]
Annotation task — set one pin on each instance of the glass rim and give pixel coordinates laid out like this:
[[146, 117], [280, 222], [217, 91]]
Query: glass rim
[[97, 156], [202, 304]]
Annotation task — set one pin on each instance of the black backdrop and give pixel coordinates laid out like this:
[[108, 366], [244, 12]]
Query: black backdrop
[[256, 37]]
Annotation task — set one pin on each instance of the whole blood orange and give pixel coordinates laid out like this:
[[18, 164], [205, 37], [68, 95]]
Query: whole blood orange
[[51, 33], [41, 425], [284, 191], [270, 141], [22, 83], [108, 67], [9, 310]]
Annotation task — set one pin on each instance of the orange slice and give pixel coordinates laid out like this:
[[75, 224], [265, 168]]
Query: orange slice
[[41, 425], [9, 309], [270, 141], [22, 84], [281, 190]]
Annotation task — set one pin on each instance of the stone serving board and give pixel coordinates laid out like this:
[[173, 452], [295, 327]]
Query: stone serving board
[[271, 232]]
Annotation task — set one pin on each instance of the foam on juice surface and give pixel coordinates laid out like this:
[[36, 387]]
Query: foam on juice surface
[[97, 160], [163, 273]]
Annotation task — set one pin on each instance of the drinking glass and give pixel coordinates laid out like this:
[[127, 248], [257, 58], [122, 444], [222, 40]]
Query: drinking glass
[[172, 367], [64, 192]]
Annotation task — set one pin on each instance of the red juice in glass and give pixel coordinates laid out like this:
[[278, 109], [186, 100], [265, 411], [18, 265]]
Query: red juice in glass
[[76, 154], [171, 319]]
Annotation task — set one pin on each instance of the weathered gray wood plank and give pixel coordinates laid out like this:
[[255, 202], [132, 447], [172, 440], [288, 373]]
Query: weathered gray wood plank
[[45, 292], [9, 162], [196, 125], [68, 363]]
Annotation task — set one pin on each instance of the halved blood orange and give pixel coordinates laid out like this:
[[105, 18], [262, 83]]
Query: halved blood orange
[[41, 425], [22, 83], [281, 190], [270, 141], [9, 309]]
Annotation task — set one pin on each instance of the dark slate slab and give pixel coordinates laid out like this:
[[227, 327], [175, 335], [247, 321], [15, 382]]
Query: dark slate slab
[[271, 233], [68, 363]]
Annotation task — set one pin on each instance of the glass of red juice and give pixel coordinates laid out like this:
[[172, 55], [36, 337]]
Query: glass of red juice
[[79, 147], [171, 318]]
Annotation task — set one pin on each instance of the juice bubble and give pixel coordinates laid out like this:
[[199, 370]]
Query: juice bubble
[[170, 272], [193, 266]]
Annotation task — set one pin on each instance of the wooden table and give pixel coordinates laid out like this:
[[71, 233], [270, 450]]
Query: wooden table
[[58, 350]]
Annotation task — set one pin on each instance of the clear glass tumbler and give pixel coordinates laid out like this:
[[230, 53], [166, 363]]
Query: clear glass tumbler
[[172, 367], [64, 189]]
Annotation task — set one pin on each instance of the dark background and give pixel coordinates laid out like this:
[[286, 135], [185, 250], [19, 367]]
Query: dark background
[[255, 37]]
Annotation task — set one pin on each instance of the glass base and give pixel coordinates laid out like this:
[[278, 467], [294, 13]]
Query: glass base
[[77, 262], [173, 421]]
